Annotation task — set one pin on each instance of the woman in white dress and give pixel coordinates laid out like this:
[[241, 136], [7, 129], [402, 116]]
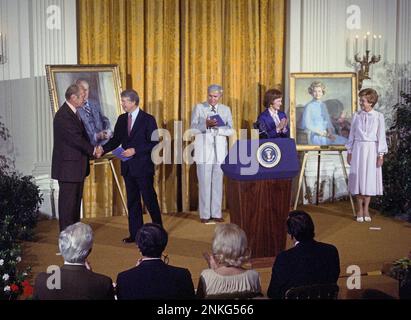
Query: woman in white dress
[[366, 148], [226, 278]]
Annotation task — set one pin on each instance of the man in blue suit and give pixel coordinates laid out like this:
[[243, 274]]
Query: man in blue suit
[[152, 278], [134, 130], [273, 123], [97, 125]]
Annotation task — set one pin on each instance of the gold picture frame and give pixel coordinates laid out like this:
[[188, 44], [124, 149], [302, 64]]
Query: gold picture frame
[[322, 121], [104, 82]]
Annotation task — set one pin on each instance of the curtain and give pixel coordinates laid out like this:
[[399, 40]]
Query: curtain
[[169, 51]]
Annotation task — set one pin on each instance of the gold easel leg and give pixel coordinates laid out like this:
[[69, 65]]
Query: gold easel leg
[[300, 179], [317, 201], [346, 180], [118, 186]]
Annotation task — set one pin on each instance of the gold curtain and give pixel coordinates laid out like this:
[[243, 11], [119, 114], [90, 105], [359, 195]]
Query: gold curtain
[[170, 51]]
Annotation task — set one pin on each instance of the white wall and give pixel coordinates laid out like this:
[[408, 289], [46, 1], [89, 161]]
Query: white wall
[[317, 42], [38, 32]]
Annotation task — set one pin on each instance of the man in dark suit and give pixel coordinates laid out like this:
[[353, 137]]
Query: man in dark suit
[[134, 130], [96, 123], [71, 153], [308, 262], [75, 281], [152, 278]]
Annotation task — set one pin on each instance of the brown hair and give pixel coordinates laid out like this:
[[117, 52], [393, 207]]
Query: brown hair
[[370, 94], [270, 96]]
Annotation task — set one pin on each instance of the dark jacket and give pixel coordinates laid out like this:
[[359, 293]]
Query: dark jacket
[[77, 283], [153, 279], [71, 149], [267, 124], [140, 165], [307, 263]]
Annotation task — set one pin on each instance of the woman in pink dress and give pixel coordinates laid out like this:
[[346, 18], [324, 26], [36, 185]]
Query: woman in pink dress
[[366, 148]]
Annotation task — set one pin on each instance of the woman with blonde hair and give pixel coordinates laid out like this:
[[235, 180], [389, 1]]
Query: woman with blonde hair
[[226, 276], [366, 148], [316, 119]]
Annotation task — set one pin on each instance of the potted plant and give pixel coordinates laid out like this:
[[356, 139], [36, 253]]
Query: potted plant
[[401, 270]]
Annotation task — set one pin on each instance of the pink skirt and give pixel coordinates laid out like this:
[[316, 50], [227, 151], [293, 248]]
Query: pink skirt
[[365, 178]]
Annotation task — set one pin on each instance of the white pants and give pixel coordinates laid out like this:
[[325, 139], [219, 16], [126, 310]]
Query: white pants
[[210, 190]]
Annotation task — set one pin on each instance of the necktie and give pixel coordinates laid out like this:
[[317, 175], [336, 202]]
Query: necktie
[[129, 122], [87, 109], [78, 116], [213, 109]]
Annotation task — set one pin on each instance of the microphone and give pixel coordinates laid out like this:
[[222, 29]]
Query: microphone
[[262, 131]]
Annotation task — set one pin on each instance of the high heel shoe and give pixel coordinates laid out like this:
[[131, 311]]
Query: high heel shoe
[[360, 219], [367, 219]]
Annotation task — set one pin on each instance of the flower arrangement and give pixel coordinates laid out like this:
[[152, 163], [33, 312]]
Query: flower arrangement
[[19, 203], [13, 283]]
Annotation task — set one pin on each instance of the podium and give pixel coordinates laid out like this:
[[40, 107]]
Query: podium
[[260, 174]]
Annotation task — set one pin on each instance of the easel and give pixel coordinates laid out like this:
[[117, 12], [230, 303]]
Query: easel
[[108, 159], [300, 179]]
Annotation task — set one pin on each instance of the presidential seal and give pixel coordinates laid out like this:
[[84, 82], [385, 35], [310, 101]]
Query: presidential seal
[[268, 155]]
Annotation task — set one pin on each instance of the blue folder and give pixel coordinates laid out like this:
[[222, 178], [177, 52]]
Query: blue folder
[[118, 153]]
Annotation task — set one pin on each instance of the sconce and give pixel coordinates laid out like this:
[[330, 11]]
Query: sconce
[[2, 51], [366, 61]]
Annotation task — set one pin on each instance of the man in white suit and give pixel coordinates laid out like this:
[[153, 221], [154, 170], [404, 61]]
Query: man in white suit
[[210, 150]]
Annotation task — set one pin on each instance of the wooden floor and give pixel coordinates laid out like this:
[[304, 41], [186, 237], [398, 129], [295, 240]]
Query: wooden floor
[[188, 238]]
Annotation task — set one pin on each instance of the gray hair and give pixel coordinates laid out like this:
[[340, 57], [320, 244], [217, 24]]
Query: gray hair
[[215, 87], [230, 246], [75, 242], [73, 89]]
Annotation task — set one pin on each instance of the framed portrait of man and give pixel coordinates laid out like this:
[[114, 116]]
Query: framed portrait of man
[[321, 109], [102, 104]]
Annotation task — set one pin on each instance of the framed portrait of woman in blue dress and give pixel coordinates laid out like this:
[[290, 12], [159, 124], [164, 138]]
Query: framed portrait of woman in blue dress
[[321, 109]]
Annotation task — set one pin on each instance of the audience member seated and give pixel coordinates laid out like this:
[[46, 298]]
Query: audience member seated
[[75, 281], [308, 262], [152, 278], [226, 278]]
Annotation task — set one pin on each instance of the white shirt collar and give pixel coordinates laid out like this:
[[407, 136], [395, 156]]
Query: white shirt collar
[[211, 107], [134, 114], [71, 107], [273, 112], [74, 264], [372, 111]]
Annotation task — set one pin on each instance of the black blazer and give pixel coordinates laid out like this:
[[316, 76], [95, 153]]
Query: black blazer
[[71, 149], [153, 279], [140, 165], [77, 283], [307, 263]]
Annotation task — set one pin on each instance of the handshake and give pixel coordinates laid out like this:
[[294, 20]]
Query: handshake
[[98, 152]]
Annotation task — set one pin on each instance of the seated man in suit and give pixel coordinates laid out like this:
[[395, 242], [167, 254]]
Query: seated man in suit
[[75, 281], [151, 278], [308, 262]]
